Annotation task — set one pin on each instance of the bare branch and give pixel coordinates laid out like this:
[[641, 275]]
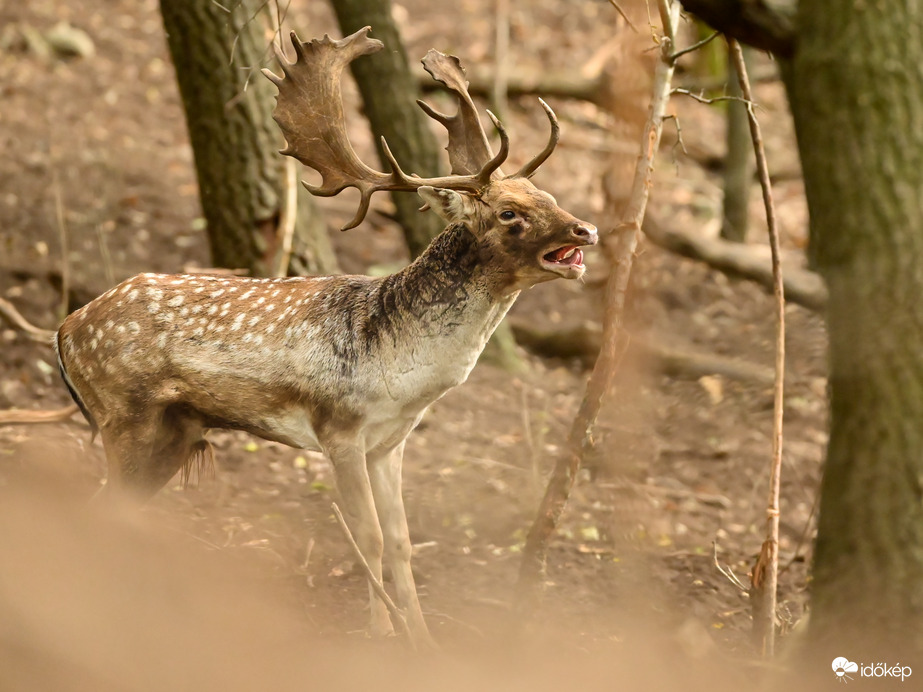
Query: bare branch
[[397, 615], [708, 100], [765, 575], [695, 46], [18, 417], [727, 571], [9, 312], [624, 16]]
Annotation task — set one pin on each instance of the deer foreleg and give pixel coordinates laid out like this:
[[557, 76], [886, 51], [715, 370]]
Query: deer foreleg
[[355, 490], [385, 476]]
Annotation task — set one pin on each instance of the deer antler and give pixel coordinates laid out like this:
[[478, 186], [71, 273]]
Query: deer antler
[[309, 110], [468, 147]]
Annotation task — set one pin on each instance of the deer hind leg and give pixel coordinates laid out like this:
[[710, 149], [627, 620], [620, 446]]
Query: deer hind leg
[[352, 479], [385, 476]]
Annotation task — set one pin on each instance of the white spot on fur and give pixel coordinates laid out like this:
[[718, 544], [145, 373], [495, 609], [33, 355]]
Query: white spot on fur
[[235, 325], [253, 320], [184, 312], [244, 296], [133, 328], [198, 331], [153, 308], [132, 295], [196, 309], [258, 339], [120, 329], [215, 294], [261, 300], [270, 307], [270, 328], [199, 289], [176, 300], [212, 309], [155, 293], [162, 339], [126, 288]]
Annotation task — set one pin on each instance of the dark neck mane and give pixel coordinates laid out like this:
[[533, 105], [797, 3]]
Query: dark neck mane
[[441, 279]]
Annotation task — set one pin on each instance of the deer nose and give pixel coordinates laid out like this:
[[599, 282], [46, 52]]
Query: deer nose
[[586, 232]]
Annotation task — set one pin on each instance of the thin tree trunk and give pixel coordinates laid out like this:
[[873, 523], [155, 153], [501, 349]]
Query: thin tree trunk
[[228, 107], [738, 164], [857, 98]]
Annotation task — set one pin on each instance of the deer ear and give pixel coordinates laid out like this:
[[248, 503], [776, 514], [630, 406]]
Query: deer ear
[[452, 206]]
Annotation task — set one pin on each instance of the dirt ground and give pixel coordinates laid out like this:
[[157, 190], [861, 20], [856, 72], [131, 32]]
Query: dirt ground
[[95, 154]]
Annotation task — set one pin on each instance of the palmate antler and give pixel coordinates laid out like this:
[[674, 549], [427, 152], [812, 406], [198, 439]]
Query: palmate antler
[[309, 111]]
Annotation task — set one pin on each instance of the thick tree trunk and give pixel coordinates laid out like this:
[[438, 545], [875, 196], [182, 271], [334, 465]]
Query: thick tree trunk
[[857, 98], [229, 113], [389, 93]]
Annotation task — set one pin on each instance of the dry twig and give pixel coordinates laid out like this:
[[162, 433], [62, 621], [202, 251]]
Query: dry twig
[[9, 312], [396, 614], [764, 578], [620, 246]]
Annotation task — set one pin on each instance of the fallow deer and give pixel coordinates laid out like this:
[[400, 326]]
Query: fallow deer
[[346, 365]]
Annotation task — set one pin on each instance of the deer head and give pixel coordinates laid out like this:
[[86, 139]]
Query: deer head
[[519, 227]]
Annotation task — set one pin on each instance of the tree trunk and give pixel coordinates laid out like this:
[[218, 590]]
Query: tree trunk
[[389, 94], [857, 98], [228, 106], [739, 164]]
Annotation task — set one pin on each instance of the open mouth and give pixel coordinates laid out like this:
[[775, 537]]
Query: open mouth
[[567, 256]]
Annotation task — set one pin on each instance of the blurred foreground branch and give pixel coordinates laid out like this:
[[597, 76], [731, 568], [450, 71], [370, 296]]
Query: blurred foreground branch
[[620, 245]]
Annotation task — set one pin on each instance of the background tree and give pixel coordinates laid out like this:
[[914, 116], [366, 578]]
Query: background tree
[[228, 105], [389, 93], [856, 96]]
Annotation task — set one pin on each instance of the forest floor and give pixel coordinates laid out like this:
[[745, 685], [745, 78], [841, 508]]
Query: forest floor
[[679, 471]]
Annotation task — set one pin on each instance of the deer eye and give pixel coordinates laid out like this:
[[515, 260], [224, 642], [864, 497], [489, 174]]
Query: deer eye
[[507, 215]]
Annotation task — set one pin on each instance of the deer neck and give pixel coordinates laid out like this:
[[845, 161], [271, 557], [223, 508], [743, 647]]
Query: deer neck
[[449, 291]]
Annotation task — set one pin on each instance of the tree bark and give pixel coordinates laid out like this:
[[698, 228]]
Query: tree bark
[[738, 164], [389, 93], [228, 108], [857, 98]]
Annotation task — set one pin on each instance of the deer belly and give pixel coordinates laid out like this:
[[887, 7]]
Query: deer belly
[[291, 427]]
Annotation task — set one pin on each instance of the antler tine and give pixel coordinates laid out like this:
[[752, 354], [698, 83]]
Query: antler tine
[[494, 164], [540, 158]]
